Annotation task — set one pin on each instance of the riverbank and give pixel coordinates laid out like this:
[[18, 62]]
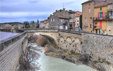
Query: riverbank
[[78, 55], [40, 62], [75, 58]]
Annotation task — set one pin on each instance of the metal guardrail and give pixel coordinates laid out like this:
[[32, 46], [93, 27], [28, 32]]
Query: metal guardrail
[[5, 43]]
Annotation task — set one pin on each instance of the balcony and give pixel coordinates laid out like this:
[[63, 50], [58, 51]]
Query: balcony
[[96, 27], [100, 18], [110, 18]]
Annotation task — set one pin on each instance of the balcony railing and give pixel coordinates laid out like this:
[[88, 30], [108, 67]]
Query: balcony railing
[[105, 18], [110, 17], [100, 18], [96, 27]]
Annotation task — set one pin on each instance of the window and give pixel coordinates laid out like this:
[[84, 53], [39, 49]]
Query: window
[[89, 4], [60, 27], [44, 21], [70, 25], [85, 19], [51, 20], [111, 13], [90, 18], [61, 20], [89, 10], [100, 8], [78, 18], [101, 15], [90, 26]]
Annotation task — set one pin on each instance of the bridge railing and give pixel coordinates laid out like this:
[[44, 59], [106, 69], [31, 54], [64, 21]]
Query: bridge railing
[[40, 29], [9, 41], [70, 31]]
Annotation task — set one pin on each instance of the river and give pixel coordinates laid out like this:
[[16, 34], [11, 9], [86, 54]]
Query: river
[[46, 63], [5, 35]]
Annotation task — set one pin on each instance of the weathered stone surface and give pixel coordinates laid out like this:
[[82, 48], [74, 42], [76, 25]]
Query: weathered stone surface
[[86, 48], [9, 57]]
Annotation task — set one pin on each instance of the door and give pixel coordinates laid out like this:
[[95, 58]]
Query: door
[[96, 31], [100, 24]]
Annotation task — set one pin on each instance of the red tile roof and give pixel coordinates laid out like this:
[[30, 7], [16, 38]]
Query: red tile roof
[[87, 1], [78, 13], [103, 4]]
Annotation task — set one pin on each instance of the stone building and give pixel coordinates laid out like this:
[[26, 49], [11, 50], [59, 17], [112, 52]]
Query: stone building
[[71, 19], [34, 24], [88, 14], [61, 19], [1, 26], [7, 26], [44, 24]]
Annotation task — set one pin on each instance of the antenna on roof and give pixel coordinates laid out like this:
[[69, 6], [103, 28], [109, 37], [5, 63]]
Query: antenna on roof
[[63, 5]]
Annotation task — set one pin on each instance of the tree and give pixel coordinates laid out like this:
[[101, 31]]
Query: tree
[[26, 23]]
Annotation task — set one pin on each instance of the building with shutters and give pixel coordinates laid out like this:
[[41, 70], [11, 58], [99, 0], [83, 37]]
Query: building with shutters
[[88, 14], [101, 17]]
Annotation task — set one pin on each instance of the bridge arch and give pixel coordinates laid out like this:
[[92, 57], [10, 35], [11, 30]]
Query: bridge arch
[[51, 35]]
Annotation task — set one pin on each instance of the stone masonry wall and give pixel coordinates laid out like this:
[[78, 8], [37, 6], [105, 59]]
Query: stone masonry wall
[[90, 49], [99, 50], [9, 57]]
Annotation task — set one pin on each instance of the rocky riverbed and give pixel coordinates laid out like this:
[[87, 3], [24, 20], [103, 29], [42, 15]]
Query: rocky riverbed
[[40, 62]]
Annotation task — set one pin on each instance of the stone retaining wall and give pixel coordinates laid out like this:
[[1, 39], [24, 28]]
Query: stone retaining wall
[[9, 56], [94, 50]]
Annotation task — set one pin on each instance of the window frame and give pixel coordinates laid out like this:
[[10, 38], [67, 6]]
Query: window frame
[[89, 10]]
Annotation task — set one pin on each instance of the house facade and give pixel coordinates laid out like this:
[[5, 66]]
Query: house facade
[[58, 22], [103, 18], [77, 20], [100, 20], [71, 20], [44, 24], [110, 19], [33, 24], [62, 19], [87, 16]]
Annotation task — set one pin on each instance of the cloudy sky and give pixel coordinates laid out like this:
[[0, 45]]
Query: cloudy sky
[[31, 10]]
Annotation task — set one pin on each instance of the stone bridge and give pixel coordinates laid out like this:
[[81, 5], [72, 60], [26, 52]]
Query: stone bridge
[[96, 49], [60, 36]]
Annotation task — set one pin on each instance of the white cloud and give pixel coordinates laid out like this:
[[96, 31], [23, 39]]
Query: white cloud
[[24, 8], [22, 14]]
